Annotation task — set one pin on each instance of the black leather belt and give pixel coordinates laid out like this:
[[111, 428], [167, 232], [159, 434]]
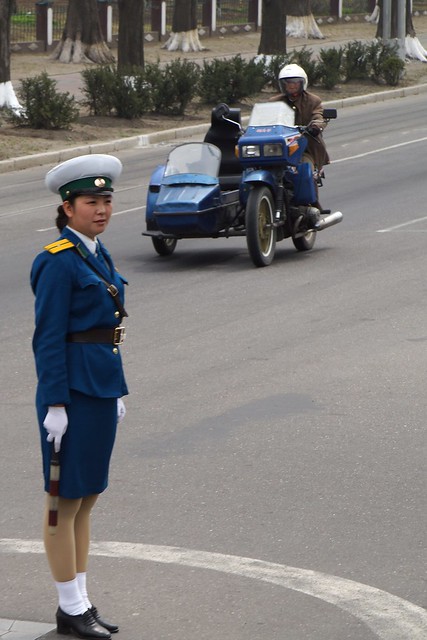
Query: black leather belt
[[114, 336]]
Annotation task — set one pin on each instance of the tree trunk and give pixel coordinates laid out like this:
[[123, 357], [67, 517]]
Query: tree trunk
[[273, 30], [82, 39], [300, 20], [413, 47], [184, 35], [7, 94], [130, 51]]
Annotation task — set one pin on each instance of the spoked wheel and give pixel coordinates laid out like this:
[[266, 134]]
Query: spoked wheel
[[260, 232], [164, 246], [305, 242]]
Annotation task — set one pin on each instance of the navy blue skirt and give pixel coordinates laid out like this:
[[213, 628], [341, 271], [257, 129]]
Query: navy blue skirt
[[86, 446]]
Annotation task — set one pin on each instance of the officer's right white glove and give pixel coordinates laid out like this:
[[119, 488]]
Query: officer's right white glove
[[56, 423], [121, 410]]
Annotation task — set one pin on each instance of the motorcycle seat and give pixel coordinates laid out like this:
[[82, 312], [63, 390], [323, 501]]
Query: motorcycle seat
[[225, 135]]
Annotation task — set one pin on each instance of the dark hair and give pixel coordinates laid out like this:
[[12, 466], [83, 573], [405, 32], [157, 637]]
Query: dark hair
[[62, 218]]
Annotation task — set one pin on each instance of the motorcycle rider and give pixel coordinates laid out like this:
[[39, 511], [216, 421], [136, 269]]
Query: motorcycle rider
[[308, 109]]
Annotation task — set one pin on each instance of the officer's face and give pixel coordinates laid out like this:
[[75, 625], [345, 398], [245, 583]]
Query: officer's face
[[89, 214]]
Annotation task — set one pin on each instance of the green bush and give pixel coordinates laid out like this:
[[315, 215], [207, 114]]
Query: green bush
[[173, 86], [356, 63], [230, 80], [132, 94], [99, 85], [393, 70], [330, 67], [43, 106], [382, 67]]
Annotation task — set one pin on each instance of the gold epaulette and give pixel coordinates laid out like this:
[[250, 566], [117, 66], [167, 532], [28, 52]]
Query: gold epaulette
[[59, 245]]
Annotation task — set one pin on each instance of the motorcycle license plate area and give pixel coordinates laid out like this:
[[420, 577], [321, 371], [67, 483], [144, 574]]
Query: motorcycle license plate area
[[271, 136]]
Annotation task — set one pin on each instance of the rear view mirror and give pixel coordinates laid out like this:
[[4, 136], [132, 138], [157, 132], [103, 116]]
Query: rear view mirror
[[329, 114]]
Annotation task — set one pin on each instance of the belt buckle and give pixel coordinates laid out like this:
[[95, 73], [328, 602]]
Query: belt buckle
[[119, 335]]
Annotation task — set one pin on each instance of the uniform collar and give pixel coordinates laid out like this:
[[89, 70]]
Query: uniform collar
[[91, 245]]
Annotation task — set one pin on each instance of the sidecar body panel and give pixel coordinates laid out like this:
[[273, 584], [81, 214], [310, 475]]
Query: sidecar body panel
[[185, 208]]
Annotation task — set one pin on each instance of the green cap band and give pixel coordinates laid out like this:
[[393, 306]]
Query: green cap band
[[86, 185]]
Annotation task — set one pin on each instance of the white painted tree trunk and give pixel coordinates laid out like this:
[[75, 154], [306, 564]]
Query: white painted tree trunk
[[184, 41], [8, 98], [375, 15], [303, 27], [414, 49]]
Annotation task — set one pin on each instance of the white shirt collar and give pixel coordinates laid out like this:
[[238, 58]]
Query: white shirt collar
[[90, 244]]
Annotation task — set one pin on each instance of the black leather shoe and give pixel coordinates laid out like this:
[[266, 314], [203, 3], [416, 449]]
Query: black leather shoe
[[112, 628], [83, 625]]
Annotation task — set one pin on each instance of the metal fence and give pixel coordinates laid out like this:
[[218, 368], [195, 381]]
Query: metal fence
[[230, 14]]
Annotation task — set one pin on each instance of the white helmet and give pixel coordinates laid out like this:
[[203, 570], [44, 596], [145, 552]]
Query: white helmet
[[292, 71]]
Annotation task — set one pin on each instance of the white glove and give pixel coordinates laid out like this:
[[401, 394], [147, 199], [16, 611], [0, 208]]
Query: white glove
[[56, 423], [121, 410]]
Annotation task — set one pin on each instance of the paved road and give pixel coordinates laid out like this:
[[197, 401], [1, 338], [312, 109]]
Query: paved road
[[269, 480]]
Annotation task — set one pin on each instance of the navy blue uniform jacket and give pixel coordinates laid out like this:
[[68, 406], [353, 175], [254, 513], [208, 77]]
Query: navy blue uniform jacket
[[71, 297]]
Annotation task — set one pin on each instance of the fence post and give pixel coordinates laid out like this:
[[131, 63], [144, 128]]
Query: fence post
[[42, 21], [335, 8], [207, 15], [253, 12], [105, 18], [156, 17]]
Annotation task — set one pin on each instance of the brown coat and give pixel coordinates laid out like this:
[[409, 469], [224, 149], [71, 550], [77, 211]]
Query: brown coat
[[309, 110]]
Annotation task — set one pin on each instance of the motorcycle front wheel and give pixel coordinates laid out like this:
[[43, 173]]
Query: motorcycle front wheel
[[305, 242], [260, 232], [164, 246]]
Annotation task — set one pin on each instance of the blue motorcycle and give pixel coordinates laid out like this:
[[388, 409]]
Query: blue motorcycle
[[250, 183]]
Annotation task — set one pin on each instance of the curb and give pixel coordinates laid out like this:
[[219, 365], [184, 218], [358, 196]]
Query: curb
[[169, 135]]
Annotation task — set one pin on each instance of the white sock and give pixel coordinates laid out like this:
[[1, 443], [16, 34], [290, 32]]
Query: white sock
[[70, 598], [81, 581]]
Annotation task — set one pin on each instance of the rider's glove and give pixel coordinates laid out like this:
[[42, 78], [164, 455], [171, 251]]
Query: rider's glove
[[56, 423], [313, 130], [121, 410]]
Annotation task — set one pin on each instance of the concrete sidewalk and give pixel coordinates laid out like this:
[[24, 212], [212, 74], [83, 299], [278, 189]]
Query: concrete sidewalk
[[23, 630]]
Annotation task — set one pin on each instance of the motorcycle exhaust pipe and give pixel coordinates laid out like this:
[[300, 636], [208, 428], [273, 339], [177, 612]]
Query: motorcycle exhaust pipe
[[328, 221]]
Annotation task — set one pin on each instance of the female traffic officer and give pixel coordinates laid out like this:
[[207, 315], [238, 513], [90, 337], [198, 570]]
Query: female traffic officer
[[78, 312], [308, 109]]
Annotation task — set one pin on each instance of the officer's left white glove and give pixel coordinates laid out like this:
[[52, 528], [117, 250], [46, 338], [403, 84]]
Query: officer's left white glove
[[121, 410], [56, 423]]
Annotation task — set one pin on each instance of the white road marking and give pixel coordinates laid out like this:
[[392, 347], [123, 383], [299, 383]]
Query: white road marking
[[369, 153], [388, 616], [403, 224]]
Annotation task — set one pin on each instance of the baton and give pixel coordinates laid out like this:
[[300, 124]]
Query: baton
[[53, 491]]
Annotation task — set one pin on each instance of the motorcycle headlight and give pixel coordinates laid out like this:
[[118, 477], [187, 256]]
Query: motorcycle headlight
[[274, 149], [251, 151]]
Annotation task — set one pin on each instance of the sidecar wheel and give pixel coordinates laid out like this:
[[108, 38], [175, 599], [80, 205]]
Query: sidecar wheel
[[305, 242], [260, 232], [164, 246]]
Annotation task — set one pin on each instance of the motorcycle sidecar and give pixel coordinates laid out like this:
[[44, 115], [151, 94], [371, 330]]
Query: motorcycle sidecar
[[185, 198]]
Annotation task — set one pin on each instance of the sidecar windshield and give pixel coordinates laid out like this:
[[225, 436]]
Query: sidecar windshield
[[194, 157], [272, 113]]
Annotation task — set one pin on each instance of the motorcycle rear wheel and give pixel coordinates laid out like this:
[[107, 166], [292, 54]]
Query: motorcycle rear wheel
[[164, 246], [260, 232], [305, 242]]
